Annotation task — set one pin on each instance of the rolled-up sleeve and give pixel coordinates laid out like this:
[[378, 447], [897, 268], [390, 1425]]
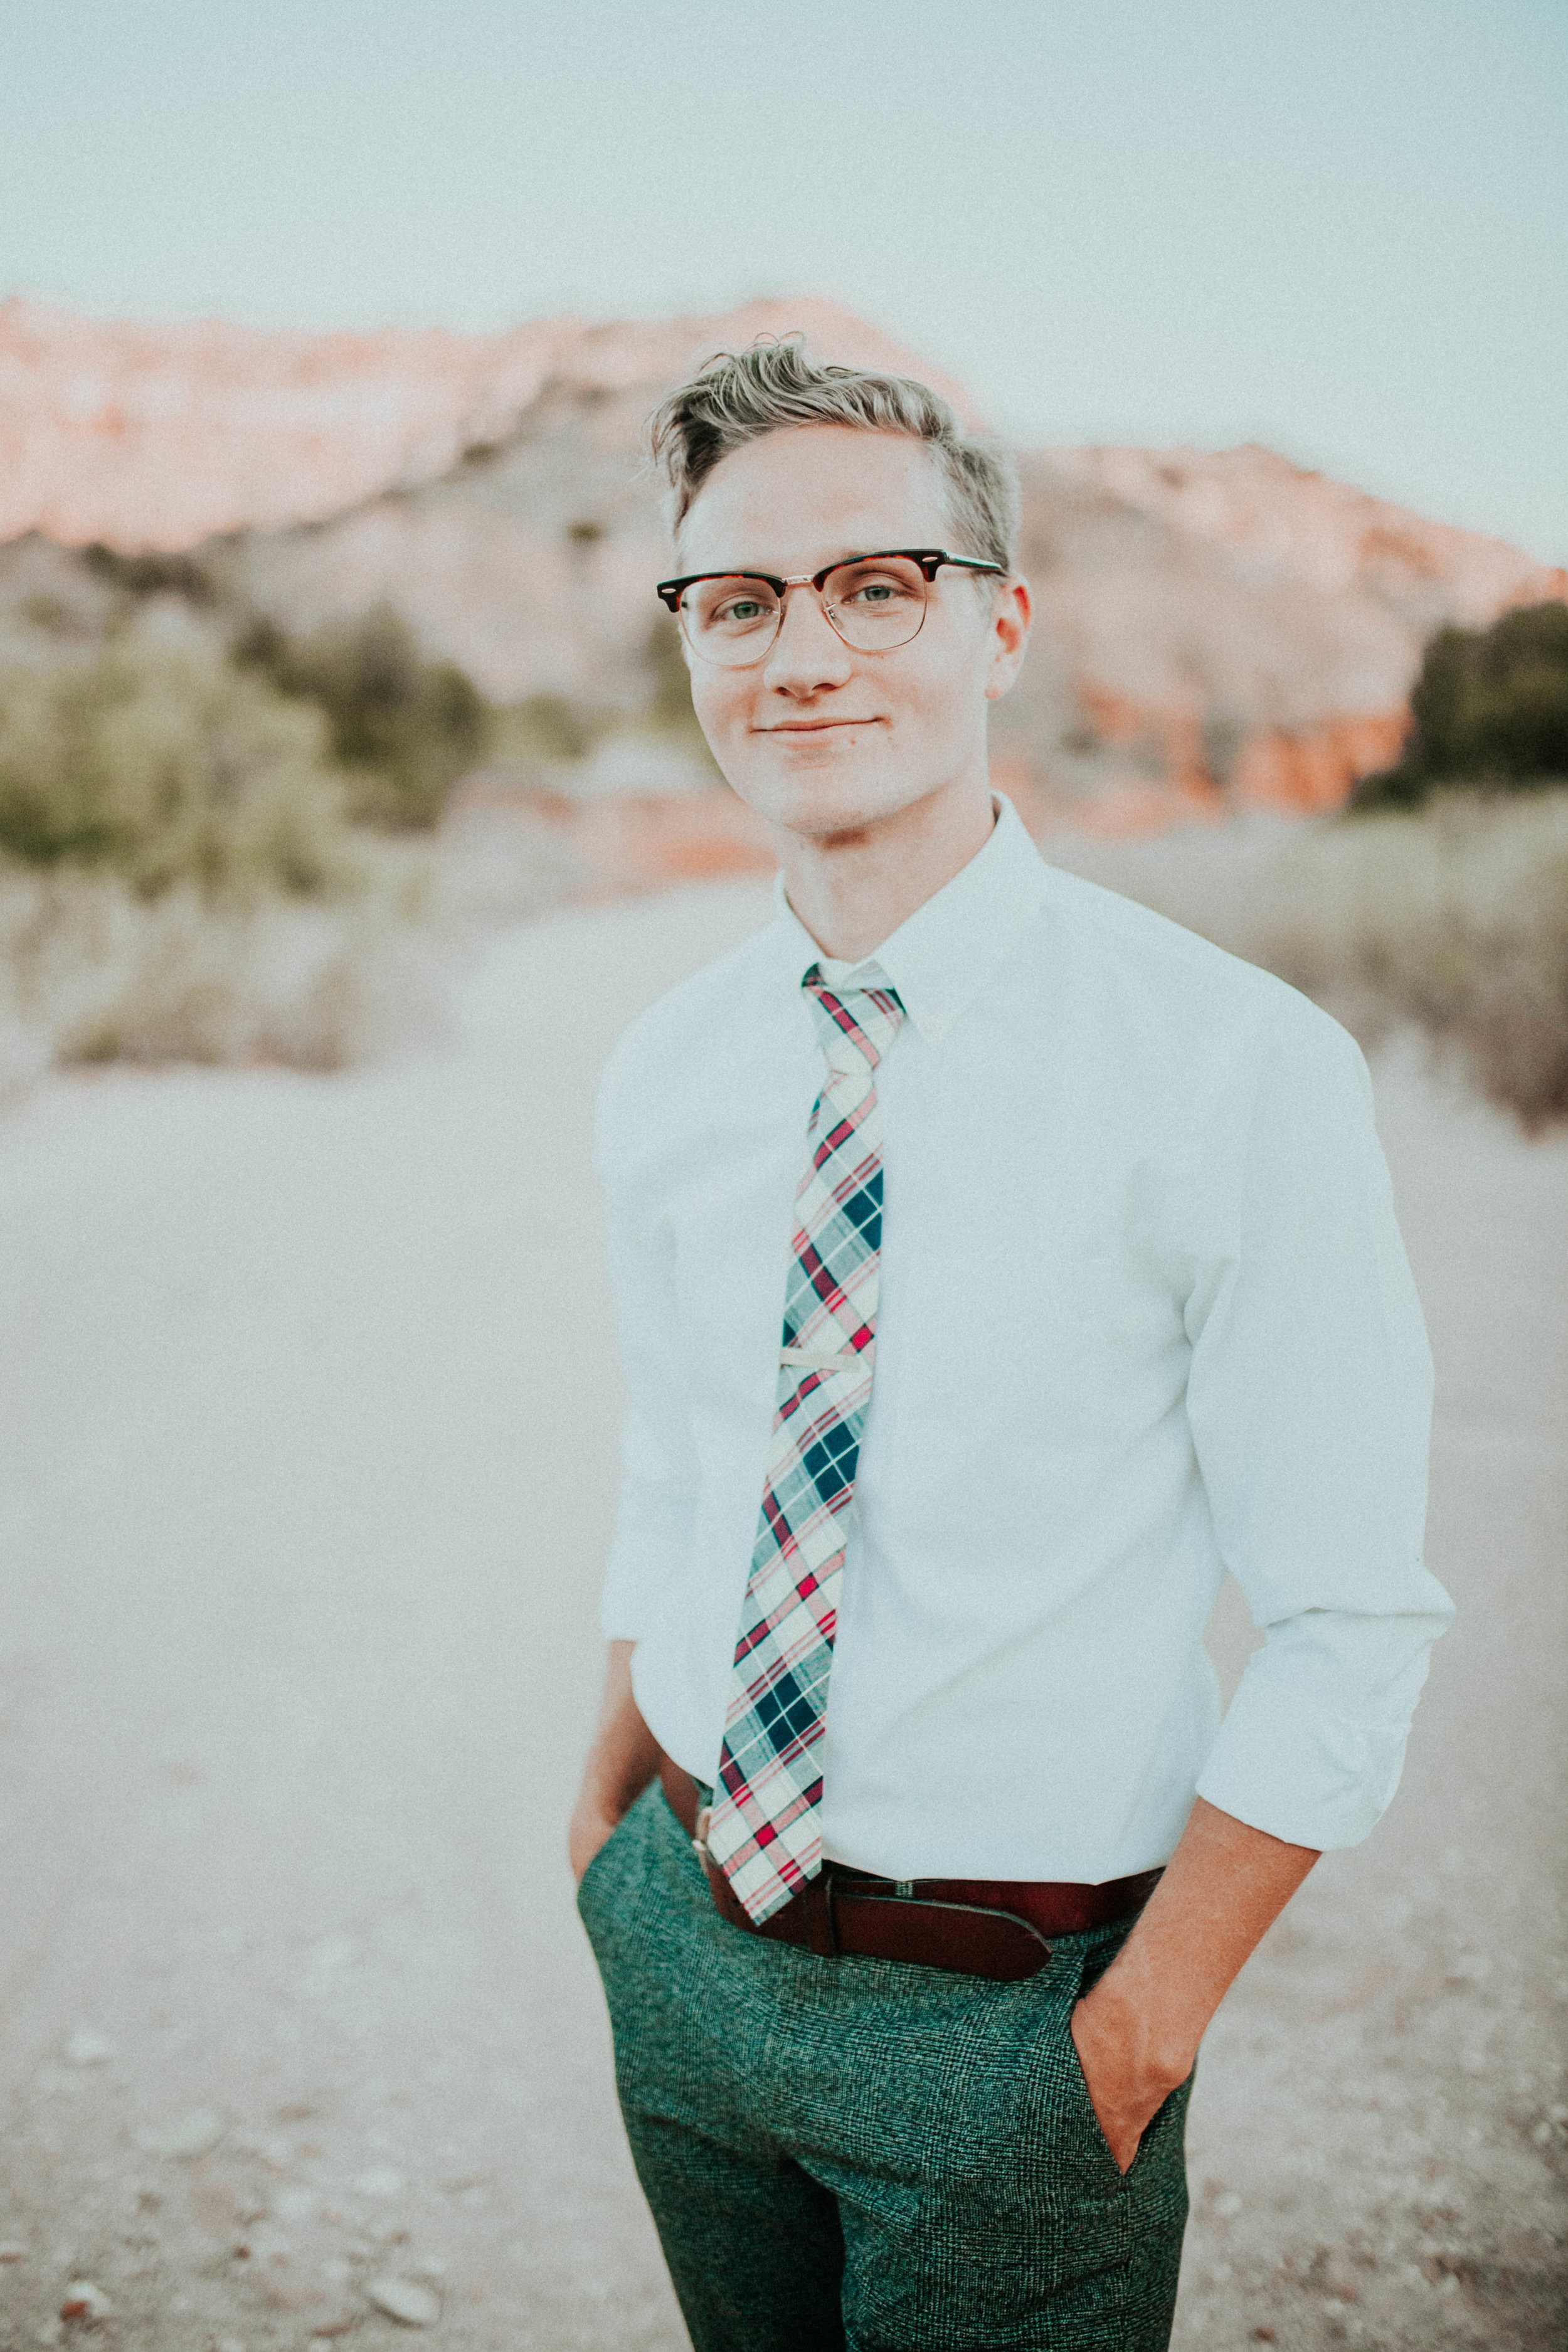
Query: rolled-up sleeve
[[658, 1467], [1310, 1400]]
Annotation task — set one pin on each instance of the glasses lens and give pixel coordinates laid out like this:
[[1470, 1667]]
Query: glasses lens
[[877, 603], [731, 620]]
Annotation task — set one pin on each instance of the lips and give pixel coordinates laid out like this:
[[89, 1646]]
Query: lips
[[813, 725]]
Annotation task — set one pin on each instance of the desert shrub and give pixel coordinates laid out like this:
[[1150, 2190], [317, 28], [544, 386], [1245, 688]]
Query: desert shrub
[[166, 765], [1454, 915], [1490, 707], [150, 574], [551, 731], [669, 706], [91, 972], [403, 728], [545, 730], [47, 611]]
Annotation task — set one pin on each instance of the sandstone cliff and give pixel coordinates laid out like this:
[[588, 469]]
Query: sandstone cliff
[[1216, 629], [145, 435]]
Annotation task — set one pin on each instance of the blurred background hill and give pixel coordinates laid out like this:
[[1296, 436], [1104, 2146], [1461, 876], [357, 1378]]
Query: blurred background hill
[[1218, 630], [318, 650]]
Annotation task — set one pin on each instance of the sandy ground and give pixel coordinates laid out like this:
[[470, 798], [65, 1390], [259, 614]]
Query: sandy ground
[[306, 1450]]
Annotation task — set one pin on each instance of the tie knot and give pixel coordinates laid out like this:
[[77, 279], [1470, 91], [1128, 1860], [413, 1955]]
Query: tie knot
[[852, 1021]]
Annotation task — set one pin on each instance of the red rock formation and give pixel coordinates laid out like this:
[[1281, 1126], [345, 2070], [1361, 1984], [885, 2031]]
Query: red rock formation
[[1292, 523], [1309, 772], [1226, 630], [626, 843], [1214, 629], [156, 436]]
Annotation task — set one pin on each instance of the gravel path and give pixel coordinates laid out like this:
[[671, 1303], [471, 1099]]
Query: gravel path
[[307, 1433]]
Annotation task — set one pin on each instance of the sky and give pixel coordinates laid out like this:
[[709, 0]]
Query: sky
[[1337, 226]]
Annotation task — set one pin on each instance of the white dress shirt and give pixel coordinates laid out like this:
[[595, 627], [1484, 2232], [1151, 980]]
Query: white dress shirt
[[1145, 1316]]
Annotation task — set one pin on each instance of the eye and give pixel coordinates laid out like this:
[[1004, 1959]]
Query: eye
[[880, 588], [732, 609]]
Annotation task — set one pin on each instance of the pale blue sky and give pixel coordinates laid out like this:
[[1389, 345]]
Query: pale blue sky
[[1339, 227]]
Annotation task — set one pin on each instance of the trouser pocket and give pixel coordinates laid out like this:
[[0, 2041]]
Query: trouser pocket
[[1065, 2126], [608, 1890]]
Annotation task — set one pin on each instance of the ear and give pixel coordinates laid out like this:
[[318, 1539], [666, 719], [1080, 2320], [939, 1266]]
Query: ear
[[1011, 616]]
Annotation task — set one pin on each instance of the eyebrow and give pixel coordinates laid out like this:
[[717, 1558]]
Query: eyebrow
[[761, 571]]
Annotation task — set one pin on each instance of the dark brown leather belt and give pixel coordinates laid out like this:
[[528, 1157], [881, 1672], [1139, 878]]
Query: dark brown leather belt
[[997, 1927]]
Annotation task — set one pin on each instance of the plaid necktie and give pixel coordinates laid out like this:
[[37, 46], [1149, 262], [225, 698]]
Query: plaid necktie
[[764, 1827]]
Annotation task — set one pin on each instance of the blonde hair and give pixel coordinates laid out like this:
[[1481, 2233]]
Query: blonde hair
[[738, 397]]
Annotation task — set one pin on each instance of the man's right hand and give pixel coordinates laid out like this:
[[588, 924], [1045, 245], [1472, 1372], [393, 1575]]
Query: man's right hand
[[621, 1762], [591, 1827]]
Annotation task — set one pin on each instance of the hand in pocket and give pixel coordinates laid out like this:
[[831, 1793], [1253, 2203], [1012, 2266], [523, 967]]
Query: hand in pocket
[[1125, 2090], [591, 1828]]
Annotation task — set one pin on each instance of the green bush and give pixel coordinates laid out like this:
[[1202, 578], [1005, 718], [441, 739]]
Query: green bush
[[1490, 707], [150, 574], [669, 706], [545, 730], [164, 766], [403, 728]]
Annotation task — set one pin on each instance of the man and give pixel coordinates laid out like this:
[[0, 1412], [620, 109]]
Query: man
[[913, 1852]]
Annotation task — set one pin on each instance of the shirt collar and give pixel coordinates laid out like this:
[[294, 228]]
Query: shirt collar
[[941, 959]]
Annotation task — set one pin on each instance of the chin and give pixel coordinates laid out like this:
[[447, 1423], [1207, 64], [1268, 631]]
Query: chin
[[819, 805]]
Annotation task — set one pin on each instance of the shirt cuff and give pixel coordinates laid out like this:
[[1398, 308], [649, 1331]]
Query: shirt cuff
[[1301, 1772]]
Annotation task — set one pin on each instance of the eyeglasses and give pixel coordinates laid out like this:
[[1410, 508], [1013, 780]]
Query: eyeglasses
[[874, 603]]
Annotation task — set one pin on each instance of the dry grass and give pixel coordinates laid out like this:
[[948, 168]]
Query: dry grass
[[178, 881], [91, 972], [1453, 916]]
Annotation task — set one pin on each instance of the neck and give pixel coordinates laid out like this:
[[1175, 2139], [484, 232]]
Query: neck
[[852, 889]]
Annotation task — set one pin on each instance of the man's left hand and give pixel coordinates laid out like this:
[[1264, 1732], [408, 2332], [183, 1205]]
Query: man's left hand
[[1138, 2028], [1126, 2083]]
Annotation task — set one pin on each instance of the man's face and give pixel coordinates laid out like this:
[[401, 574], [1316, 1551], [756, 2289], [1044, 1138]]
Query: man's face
[[819, 737]]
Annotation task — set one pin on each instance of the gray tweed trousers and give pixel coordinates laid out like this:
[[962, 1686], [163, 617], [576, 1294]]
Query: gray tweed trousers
[[864, 2156]]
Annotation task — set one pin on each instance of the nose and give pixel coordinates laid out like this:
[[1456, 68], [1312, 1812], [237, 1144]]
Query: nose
[[808, 652]]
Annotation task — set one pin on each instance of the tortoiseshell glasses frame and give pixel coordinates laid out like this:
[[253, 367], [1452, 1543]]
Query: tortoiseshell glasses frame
[[892, 615]]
